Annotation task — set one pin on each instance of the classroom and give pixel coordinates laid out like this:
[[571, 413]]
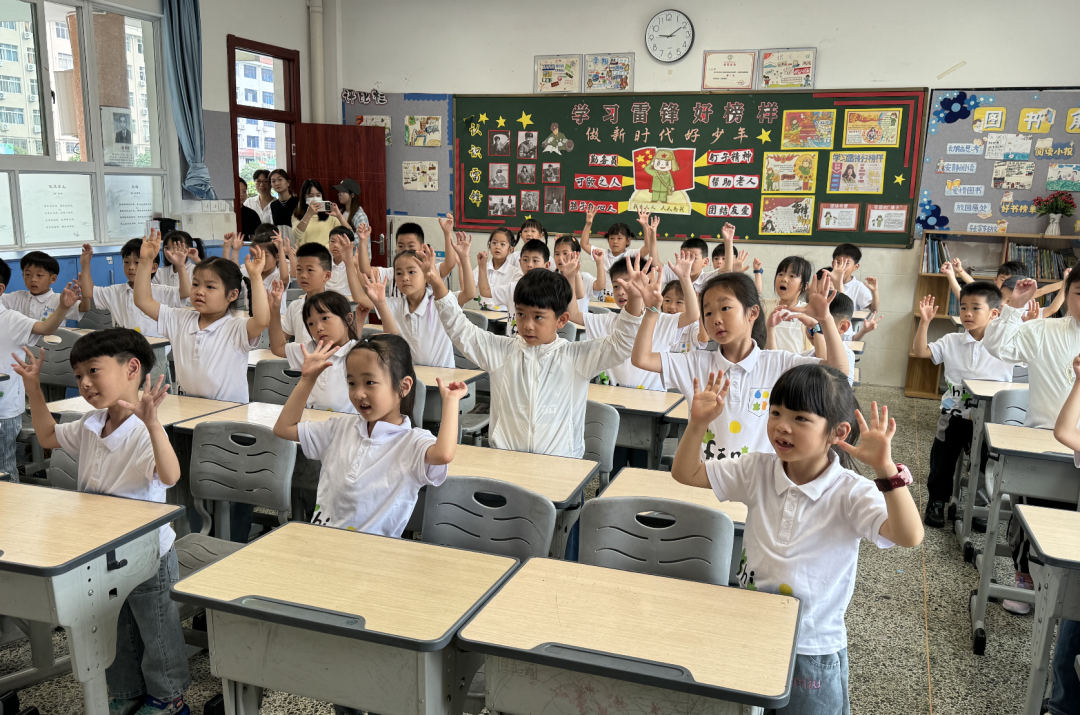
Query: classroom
[[535, 255]]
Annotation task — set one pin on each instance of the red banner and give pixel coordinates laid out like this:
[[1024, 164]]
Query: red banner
[[603, 159], [597, 181], [579, 206], [734, 181], [729, 210], [734, 156]]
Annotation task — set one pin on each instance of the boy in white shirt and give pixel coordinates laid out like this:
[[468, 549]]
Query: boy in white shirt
[[619, 237], [313, 270], [342, 255], [409, 237], [534, 254], [840, 309], [845, 262], [123, 451], [568, 252], [39, 300], [539, 382]]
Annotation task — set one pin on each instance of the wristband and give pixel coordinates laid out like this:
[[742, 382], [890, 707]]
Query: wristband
[[653, 308], [759, 270], [902, 478]]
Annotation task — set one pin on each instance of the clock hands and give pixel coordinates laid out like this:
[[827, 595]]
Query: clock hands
[[676, 30]]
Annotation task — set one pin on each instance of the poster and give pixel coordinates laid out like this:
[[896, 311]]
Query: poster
[[886, 218], [856, 172], [530, 200], [554, 199], [420, 176], [376, 120], [728, 69], [609, 72], [808, 129], [56, 208], [1063, 177], [557, 74], [788, 69], [838, 217], [423, 131], [527, 144], [786, 216], [129, 204], [872, 127], [1048, 149], [1010, 147], [498, 176], [790, 172], [662, 178], [1013, 174], [988, 119], [116, 128], [502, 205]]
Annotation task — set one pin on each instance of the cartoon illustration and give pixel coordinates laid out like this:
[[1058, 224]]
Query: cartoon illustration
[[805, 169], [557, 142], [660, 169], [423, 131], [828, 218]]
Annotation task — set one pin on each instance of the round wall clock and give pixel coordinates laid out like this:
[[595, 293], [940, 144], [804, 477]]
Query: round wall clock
[[669, 36]]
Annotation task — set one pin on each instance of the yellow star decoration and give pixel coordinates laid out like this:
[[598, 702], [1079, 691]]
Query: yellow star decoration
[[764, 136], [483, 117], [501, 122], [528, 217], [899, 179], [525, 119]]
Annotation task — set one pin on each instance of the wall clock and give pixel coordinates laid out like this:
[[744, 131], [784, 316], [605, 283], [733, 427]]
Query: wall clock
[[669, 36]]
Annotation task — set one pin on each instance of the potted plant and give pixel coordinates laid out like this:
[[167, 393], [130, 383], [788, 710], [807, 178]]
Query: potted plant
[[1056, 205]]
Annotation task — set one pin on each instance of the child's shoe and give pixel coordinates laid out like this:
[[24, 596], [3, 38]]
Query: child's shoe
[[154, 706], [1023, 581], [124, 707]]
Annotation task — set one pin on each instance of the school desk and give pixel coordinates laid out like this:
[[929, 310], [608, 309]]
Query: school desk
[[257, 356], [661, 485], [362, 621], [612, 306], [856, 346], [641, 416], [1054, 536], [957, 323], [259, 413], [560, 479], [173, 409], [982, 391], [493, 314], [631, 643], [70, 559], [1024, 462]]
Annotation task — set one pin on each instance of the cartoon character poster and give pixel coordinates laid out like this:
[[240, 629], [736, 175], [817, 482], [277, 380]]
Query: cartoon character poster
[[609, 72], [808, 129], [789, 172], [423, 131], [662, 177], [856, 172], [872, 127], [786, 216]]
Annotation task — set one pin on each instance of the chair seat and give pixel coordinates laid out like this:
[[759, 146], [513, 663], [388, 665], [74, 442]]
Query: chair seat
[[195, 551]]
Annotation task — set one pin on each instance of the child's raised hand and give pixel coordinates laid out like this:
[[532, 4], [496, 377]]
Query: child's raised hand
[[654, 223], [150, 248], [572, 266], [650, 288], [177, 255], [146, 409], [446, 223], [757, 264], [452, 391], [590, 214], [254, 262], [274, 295], [1076, 366], [363, 232], [778, 315], [871, 283], [462, 245], [71, 295], [29, 371], [708, 404], [957, 265], [193, 254], [1033, 311], [374, 287], [740, 261], [85, 256], [684, 262], [642, 218], [481, 258], [727, 232], [819, 296], [836, 275], [947, 268], [318, 359], [927, 309], [597, 254], [1023, 293], [871, 323], [427, 253], [875, 443]]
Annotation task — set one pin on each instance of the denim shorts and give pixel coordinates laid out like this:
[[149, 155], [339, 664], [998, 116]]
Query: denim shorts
[[819, 686]]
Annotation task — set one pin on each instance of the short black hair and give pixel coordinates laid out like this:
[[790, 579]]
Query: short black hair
[[316, 250], [119, 343], [266, 243], [185, 238], [543, 290], [617, 228], [230, 276], [40, 259], [675, 286], [984, 289], [5, 272], [692, 243], [533, 223], [798, 265], [842, 307], [410, 227], [848, 250], [134, 248], [1012, 268], [535, 245], [263, 230], [618, 269], [394, 354], [343, 231], [718, 252]]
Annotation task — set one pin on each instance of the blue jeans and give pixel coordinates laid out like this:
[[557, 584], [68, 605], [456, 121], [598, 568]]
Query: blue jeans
[[9, 432], [819, 686], [150, 657], [1065, 694]]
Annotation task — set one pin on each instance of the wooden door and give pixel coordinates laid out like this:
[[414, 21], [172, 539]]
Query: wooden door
[[330, 153]]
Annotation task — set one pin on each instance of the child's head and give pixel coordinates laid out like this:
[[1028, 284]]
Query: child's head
[[500, 243], [409, 274], [110, 365], [980, 302], [329, 317], [718, 257], [841, 309], [731, 309], [565, 248], [541, 299], [1010, 269], [619, 269], [1007, 287], [792, 277], [532, 230], [263, 232], [381, 378], [674, 300], [410, 237], [215, 285], [1072, 294], [534, 254], [618, 238], [341, 239], [850, 255], [187, 240], [811, 409], [39, 271], [700, 249], [314, 266], [130, 254]]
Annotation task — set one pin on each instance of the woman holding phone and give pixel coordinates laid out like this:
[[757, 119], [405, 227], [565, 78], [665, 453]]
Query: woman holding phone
[[311, 221]]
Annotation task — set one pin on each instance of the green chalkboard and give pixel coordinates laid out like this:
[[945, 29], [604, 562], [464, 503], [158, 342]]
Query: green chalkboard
[[830, 166]]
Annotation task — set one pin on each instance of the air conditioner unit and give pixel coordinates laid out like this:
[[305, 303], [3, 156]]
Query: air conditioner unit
[[37, 129], [26, 35], [32, 98], [30, 67], [3, 127], [142, 82], [145, 111], [3, 95]]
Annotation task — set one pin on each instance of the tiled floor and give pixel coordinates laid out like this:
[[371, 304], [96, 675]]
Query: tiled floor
[[908, 627]]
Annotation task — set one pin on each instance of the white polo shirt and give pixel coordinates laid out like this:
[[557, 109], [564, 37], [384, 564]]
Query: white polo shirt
[[422, 330], [803, 541], [211, 362], [386, 274], [37, 307], [270, 278], [167, 276], [669, 275], [119, 300], [331, 391], [339, 281], [609, 261], [503, 277], [369, 483], [120, 465], [858, 292], [742, 426], [15, 331], [966, 358], [665, 333], [790, 334], [292, 319], [587, 281]]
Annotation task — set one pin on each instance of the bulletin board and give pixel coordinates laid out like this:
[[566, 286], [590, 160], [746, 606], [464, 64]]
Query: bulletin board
[[991, 152], [815, 167]]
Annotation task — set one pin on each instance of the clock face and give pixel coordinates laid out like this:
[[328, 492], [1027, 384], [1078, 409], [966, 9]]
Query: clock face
[[669, 36]]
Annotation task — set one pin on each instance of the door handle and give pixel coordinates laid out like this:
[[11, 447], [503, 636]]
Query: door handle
[[382, 244]]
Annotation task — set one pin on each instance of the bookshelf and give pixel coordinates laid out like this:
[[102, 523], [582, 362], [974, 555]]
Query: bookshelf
[[923, 376]]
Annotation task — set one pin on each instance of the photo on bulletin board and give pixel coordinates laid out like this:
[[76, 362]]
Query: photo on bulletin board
[[887, 218], [526, 144], [498, 176], [872, 127], [502, 205], [526, 173], [728, 69], [423, 131], [498, 142], [556, 74], [552, 172], [554, 199], [530, 200], [786, 216], [609, 72], [838, 217], [792, 68], [856, 172], [789, 172]]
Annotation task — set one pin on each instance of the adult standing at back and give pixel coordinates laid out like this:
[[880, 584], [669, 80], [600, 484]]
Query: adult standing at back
[[348, 201], [262, 200], [283, 206], [311, 223]]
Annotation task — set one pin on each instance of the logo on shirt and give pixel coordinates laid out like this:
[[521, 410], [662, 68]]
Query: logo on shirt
[[758, 404]]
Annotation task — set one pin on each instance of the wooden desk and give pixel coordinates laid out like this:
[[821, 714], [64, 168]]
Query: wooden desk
[[71, 559], [860, 315], [543, 635], [427, 374], [957, 323], [1054, 535], [612, 306], [380, 639], [856, 346], [155, 342], [641, 416], [173, 409], [1024, 462], [680, 414], [259, 413], [257, 356], [856, 378]]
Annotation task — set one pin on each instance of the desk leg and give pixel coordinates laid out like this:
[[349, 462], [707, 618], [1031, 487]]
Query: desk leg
[[1051, 586], [564, 522], [241, 699], [963, 527], [980, 597], [180, 494], [161, 367]]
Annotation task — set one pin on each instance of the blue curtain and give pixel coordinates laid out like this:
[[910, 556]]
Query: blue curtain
[[183, 71]]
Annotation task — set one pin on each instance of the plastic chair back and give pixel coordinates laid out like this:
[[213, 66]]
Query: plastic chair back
[[96, 319], [478, 319], [568, 332], [488, 515], [1009, 407], [292, 294], [417, 416], [274, 381], [1020, 373], [63, 470], [56, 367], [598, 310], [601, 431], [657, 536]]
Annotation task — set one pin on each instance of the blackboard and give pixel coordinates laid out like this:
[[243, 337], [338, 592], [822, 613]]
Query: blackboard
[[842, 166]]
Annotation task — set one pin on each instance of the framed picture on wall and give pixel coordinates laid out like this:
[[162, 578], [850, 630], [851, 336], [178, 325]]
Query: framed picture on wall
[[887, 218], [530, 200], [793, 68], [838, 217], [728, 69], [556, 74], [609, 72]]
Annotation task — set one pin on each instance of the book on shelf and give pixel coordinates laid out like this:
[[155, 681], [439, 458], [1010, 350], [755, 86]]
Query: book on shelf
[[1042, 263]]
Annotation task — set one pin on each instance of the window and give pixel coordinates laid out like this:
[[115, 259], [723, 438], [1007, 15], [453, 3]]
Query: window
[[252, 122], [251, 95], [127, 42], [12, 115], [31, 55], [73, 147], [142, 98], [62, 31], [131, 99], [7, 25], [142, 72], [267, 75], [269, 143], [268, 99], [253, 142], [64, 61], [250, 71], [10, 84], [37, 121], [33, 85], [130, 76], [146, 129], [140, 46], [9, 52], [268, 125]]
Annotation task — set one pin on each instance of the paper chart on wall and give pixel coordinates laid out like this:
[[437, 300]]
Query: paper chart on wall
[[1063, 177], [423, 131], [808, 129], [420, 176], [838, 217], [1008, 147], [886, 218], [789, 172], [856, 172], [786, 215], [376, 120], [1013, 175], [872, 127], [788, 69]]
